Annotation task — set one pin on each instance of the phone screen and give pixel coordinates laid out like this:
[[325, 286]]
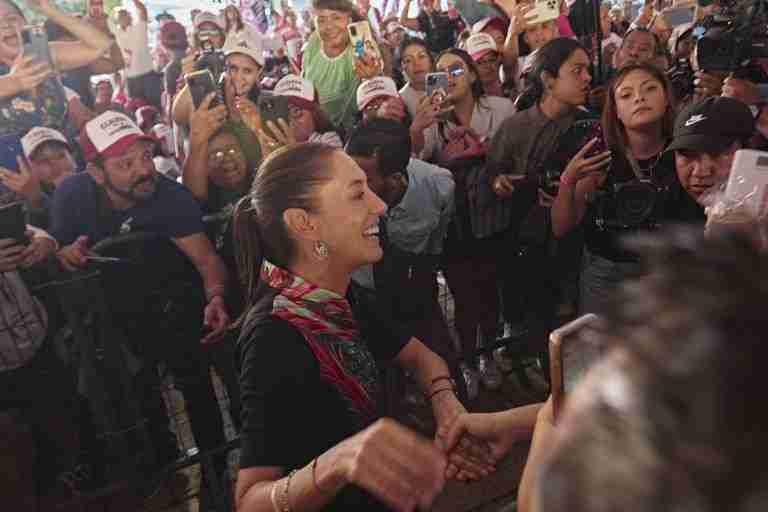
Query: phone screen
[[272, 108], [573, 349], [200, 84]]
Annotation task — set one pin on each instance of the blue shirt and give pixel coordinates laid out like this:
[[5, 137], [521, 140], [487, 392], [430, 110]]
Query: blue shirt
[[80, 208]]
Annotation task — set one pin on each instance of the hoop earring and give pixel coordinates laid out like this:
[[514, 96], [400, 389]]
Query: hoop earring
[[321, 250]]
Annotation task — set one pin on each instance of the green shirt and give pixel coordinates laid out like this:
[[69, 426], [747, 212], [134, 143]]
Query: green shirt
[[335, 80]]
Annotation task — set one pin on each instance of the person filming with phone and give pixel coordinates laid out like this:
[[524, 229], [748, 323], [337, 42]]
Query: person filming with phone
[[618, 182], [30, 92]]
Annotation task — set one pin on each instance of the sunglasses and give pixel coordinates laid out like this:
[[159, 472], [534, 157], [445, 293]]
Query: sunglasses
[[454, 70]]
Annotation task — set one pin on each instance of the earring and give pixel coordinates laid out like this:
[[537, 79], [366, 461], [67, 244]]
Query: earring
[[321, 250]]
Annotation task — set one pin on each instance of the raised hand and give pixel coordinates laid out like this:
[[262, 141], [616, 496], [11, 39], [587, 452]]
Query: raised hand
[[25, 182], [27, 73], [582, 166], [39, 249], [75, 255], [205, 121]]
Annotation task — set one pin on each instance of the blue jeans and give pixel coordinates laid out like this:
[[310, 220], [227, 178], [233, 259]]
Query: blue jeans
[[600, 280]]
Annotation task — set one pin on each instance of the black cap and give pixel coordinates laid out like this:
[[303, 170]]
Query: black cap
[[712, 125]]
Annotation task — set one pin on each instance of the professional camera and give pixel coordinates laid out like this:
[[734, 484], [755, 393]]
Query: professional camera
[[629, 205], [681, 78], [210, 58], [733, 37]]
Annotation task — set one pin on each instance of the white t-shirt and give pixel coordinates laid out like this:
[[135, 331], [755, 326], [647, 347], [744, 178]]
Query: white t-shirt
[[411, 97], [487, 117], [134, 43]]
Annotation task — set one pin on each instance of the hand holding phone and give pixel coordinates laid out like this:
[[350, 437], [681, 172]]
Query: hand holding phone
[[200, 84], [573, 349], [35, 44], [272, 109]]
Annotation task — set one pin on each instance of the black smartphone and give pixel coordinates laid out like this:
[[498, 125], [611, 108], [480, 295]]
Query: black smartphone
[[272, 108], [13, 223], [10, 149], [200, 84], [35, 42]]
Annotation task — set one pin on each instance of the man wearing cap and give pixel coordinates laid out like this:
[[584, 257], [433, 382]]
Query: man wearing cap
[[706, 137], [122, 192], [208, 31], [173, 38], [378, 97]]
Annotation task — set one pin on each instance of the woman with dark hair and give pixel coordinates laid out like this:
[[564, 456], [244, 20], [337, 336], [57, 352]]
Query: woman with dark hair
[[312, 344], [30, 91], [329, 61], [557, 88], [458, 142], [416, 61], [638, 119]]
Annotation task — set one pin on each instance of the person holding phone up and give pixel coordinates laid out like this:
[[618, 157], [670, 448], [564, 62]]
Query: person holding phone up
[[329, 61], [22, 75], [637, 122]]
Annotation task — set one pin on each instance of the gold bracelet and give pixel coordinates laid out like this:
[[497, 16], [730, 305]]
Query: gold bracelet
[[273, 496], [286, 501]]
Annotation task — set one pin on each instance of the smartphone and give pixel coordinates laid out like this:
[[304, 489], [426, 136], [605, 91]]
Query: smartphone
[[13, 222], [748, 181], [573, 349], [35, 43], [543, 11], [201, 84], [676, 16], [363, 42], [272, 108], [10, 148]]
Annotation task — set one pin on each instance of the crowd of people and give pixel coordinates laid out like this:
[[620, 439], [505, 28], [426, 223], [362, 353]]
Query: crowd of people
[[474, 147]]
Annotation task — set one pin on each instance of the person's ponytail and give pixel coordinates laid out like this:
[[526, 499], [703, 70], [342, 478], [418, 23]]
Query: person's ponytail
[[249, 255]]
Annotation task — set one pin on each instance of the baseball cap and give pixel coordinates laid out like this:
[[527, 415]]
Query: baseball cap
[[479, 45], [377, 87], [712, 125], [252, 48], [207, 17], [493, 22], [173, 35], [38, 136], [299, 91], [109, 135]]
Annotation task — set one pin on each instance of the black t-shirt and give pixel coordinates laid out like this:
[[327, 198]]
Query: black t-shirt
[[439, 30], [601, 236], [290, 414]]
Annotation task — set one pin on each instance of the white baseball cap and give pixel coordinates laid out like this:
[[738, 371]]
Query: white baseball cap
[[491, 22], [109, 135], [299, 91], [38, 136], [479, 45], [375, 88], [252, 48], [208, 17]]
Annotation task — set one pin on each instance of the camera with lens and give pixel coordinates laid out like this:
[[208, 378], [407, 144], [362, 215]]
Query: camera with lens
[[210, 58], [681, 78], [734, 37], [629, 205]]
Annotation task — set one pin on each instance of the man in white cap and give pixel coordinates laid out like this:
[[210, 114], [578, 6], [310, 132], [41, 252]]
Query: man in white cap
[[122, 179], [378, 97]]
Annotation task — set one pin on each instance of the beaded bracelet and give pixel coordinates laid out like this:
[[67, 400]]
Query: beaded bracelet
[[431, 395], [285, 502]]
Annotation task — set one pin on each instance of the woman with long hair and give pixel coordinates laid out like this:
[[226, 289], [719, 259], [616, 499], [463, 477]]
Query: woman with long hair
[[458, 142], [637, 123], [311, 346], [236, 28]]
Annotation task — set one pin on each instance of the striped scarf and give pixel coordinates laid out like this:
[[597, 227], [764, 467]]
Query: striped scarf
[[326, 321]]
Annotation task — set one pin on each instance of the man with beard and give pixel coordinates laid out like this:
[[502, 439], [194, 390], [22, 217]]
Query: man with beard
[[121, 192]]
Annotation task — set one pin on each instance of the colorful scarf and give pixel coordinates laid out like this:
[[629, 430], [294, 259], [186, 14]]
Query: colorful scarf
[[326, 321]]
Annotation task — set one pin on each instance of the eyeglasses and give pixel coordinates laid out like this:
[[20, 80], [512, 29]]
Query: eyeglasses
[[218, 157], [490, 59], [454, 70], [295, 112]]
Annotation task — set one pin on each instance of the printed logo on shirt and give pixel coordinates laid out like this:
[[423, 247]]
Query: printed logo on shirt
[[695, 119]]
